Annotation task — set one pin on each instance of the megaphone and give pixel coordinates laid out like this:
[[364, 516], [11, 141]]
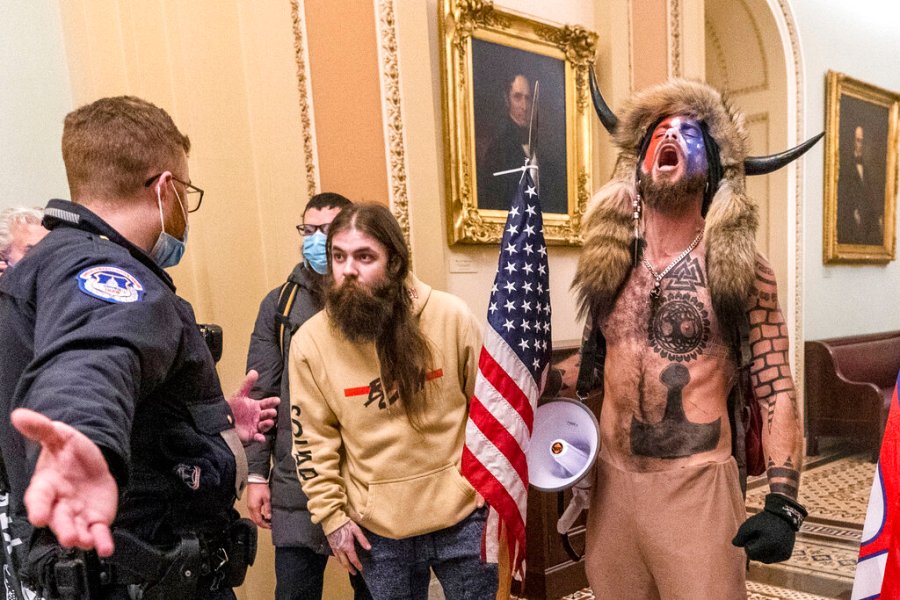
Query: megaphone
[[564, 444]]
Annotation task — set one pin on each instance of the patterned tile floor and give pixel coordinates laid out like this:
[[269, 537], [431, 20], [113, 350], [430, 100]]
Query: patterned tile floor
[[835, 490]]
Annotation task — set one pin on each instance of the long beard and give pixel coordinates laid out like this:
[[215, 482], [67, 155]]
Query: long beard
[[665, 197], [361, 314]]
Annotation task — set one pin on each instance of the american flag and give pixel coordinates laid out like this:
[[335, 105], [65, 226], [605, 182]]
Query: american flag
[[512, 371], [878, 568]]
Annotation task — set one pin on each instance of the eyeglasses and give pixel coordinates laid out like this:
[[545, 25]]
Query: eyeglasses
[[309, 229], [194, 195]]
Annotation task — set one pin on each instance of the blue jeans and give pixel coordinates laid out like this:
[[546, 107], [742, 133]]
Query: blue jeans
[[400, 569], [299, 575]]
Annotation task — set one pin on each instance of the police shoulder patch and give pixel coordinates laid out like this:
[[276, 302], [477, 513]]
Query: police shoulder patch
[[110, 284]]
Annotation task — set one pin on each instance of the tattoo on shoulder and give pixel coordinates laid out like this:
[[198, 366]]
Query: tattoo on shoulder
[[783, 480]]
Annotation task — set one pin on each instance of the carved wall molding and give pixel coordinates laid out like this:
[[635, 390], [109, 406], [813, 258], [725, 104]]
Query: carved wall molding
[[791, 27], [392, 113], [307, 129], [676, 68]]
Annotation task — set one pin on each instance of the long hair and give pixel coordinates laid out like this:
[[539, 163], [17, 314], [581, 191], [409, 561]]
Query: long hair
[[404, 355]]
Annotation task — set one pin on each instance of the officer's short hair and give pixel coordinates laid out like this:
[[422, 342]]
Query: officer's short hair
[[21, 215], [113, 145], [327, 200]]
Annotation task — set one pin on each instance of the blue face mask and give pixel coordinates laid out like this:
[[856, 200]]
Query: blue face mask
[[314, 252], [168, 250]]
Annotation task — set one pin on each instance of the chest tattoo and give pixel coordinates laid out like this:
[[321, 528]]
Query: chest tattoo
[[674, 436], [687, 276], [679, 328]]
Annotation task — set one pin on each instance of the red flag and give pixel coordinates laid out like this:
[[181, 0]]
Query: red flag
[[512, 370], [878, 567]]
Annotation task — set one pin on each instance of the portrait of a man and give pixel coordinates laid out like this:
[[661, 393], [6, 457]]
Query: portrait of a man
[[861, 172], [503, 96]]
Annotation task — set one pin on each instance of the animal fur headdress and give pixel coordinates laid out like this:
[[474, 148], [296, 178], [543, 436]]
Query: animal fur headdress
[[731, 218]]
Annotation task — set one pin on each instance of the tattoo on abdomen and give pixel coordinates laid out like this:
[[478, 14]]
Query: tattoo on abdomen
[[783, 480], [674, 436]]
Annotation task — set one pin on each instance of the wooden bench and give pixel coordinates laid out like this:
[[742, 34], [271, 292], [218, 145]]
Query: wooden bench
[[849, 382]]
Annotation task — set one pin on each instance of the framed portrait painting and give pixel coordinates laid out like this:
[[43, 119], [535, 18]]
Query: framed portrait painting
[[497, 68], [861, 137]]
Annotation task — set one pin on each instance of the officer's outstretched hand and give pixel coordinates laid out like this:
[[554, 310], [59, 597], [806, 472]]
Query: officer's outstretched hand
[[71, 490], [343, 544], [252, 418]]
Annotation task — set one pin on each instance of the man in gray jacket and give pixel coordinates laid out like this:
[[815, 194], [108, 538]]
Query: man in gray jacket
[[274, 497]]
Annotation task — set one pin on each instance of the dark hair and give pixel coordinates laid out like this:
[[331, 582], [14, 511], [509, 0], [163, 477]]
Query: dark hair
[[111, 146], [404, 355], [713, 160], [327, 200], [376, 221], [509, 81]]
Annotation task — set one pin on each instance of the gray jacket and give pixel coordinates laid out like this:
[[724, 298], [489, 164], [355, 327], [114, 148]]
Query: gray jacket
[[291, 524]]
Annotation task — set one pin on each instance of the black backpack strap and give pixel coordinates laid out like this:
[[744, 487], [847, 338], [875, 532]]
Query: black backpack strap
[[738, 398], [286, 298]]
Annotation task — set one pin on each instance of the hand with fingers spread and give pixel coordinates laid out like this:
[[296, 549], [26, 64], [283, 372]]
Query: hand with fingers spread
[[343, 544], [252, 418], [71, 490]]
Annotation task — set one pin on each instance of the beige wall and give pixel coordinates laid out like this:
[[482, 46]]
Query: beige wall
[[346, 96], [227, 72]]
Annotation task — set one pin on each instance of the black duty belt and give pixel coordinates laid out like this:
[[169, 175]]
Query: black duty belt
[[196, 564]]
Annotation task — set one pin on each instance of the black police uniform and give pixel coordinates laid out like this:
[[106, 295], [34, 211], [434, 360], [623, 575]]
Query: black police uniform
[[94, 335]]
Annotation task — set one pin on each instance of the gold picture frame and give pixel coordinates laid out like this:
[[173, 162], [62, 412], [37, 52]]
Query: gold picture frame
[[486, 54], [861, 136]]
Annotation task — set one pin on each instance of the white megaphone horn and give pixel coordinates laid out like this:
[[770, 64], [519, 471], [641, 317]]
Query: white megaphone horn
[[564, 444]]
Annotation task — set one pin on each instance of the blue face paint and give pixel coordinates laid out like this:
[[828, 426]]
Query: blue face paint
[[314, 252]]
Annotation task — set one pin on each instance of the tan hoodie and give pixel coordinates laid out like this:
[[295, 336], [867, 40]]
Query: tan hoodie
[[357, 455]]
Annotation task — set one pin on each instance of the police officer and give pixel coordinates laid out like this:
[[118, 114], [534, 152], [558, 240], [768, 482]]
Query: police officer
[[118, 426]]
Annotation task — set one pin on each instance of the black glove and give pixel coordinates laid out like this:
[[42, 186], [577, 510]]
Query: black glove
[[769, 535]]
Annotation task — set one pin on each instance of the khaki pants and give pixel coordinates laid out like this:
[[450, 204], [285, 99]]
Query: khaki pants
[[666, 535]]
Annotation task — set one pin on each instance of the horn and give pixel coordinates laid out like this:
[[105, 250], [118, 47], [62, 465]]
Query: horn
[[607, 116], [763, 165]]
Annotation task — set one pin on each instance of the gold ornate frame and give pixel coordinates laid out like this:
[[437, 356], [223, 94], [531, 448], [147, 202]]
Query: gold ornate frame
[[839, 85], [460, 21]]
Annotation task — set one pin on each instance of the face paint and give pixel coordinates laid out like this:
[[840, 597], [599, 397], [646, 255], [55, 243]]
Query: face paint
[[676, 142]]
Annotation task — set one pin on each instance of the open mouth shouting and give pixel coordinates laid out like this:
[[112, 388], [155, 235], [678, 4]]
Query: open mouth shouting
[[676, 149], [667, 158]]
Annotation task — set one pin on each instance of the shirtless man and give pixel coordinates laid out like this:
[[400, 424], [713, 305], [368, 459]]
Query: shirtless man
[[668, 274]]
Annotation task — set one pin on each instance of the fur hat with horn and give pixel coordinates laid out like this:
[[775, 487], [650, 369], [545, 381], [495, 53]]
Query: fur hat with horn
[[731, 217]]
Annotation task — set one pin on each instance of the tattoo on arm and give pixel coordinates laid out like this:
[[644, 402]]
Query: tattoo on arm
[[783, 480], [770, 372]]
